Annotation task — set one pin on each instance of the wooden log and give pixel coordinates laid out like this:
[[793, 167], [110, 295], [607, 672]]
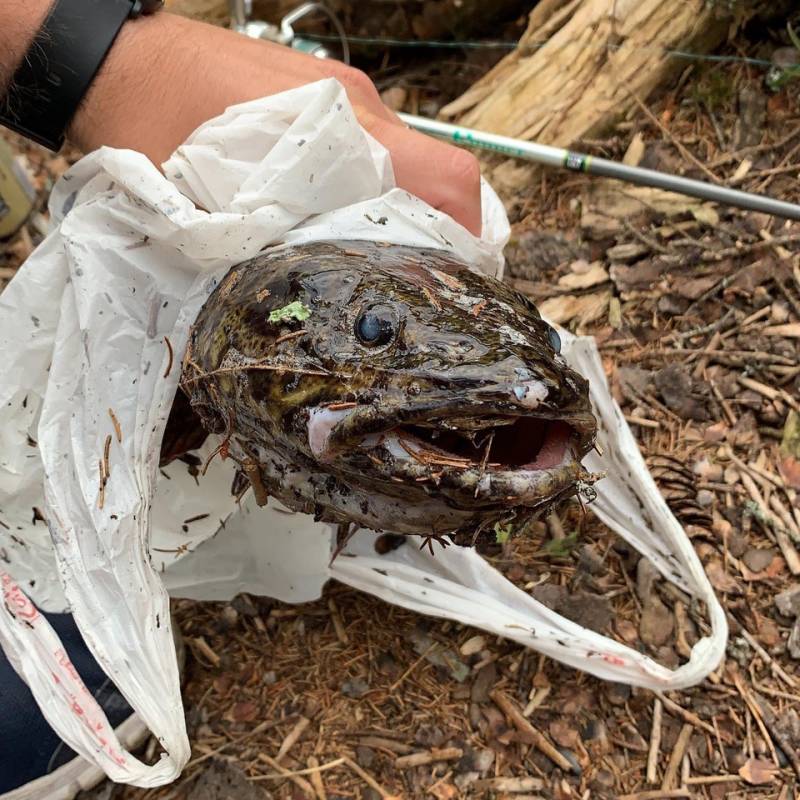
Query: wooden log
[[583, 64]]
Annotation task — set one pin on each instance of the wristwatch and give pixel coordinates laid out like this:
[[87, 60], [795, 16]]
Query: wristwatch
[[61, 63]]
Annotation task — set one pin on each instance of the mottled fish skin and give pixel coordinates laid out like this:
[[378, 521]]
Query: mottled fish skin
[[311, 412]]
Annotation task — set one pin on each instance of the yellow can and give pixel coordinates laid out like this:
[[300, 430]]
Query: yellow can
[[17, 196]]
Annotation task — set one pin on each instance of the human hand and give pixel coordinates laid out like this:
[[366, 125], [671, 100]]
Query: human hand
[[166, 75]]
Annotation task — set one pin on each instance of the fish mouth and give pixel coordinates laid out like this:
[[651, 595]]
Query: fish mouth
[[476, 458], [513, 443]]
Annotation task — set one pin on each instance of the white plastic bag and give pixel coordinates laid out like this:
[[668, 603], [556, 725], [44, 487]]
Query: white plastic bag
[[91, 332]]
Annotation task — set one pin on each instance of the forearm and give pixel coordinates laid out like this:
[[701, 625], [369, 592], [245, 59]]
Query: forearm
[[165, 75]]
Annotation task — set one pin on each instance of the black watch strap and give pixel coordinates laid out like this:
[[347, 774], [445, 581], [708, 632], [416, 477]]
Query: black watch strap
[[56, 72]]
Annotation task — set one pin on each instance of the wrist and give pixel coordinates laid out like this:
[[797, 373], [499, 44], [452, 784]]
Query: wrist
[[143, 95], [19, 23]]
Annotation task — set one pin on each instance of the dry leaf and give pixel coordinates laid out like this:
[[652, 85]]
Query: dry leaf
[[789, 469], [594, 274], [444, 791], [243, 712], [757, 770], [720, 579], [584, 308], [776, 567]]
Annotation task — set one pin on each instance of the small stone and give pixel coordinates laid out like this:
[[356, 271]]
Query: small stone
[[788, 602], [355, 688], [657, 623], [758, 560], [731, 476], [779, 312], [268, 678], [646, 576], [473, 645], [244, 605], [618, 693], [228, 618], [572, 758], [365, 756], [738, 543], [793, 642], [705, 498], [706, 470], [589, 560], [482, 760], [484, 682]]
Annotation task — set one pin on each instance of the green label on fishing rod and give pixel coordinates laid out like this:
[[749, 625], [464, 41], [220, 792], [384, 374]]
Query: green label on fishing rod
[[577, 162], [466, 137]]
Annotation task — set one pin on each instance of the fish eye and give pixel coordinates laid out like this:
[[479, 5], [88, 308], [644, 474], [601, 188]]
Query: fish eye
[[376, 326], [555, 339]]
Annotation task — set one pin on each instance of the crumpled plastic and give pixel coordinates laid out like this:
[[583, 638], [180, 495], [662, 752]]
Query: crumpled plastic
[[92, 330]]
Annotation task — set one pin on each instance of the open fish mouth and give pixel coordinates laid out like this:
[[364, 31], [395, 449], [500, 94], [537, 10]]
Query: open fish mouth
[[478, 460]]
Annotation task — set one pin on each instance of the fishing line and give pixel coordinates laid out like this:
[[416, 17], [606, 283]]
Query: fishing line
[[501, 45]]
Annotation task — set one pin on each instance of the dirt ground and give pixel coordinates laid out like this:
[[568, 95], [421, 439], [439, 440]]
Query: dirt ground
[[696, 310]]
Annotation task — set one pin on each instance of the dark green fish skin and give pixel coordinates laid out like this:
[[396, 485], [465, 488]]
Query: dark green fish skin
[[417, 396]]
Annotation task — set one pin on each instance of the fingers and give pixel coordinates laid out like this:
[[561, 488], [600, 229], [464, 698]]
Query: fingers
[[446, 177]]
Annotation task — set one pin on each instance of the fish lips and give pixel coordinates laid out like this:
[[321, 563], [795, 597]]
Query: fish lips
[[479, 454]]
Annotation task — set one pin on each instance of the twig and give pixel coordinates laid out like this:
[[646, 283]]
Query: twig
[[428, 757], [684, 152], [427, 650], [656, 794], [338, 626], [687, 716], [171, 356], [757, 716], [316, 777], [312, 770], [368, 779], [671, 773], [703, 780], [205, 648], [264, 726], [776, 668], [655, 742], [771, 722], [115, 423], [530, 734], [292, 737], [300, 782]]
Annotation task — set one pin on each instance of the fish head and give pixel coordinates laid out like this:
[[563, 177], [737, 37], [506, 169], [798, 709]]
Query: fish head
[[390, 379]]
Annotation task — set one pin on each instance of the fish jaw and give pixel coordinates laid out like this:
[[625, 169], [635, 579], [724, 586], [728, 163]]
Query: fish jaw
[[474, 461]]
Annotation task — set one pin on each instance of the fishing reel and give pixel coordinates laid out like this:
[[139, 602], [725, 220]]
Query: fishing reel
[[242, 22]]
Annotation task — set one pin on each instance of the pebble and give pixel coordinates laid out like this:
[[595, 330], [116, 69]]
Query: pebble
[[758, 560], [657, 623], [788, 601], [482, 760], [708, 471], [793, 643], [355, 687], [779, 312], [473, 645], [705, 498], [365, 756]]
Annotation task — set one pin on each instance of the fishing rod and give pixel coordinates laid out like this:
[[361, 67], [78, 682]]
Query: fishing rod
[[580, 162], [544, 154]]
